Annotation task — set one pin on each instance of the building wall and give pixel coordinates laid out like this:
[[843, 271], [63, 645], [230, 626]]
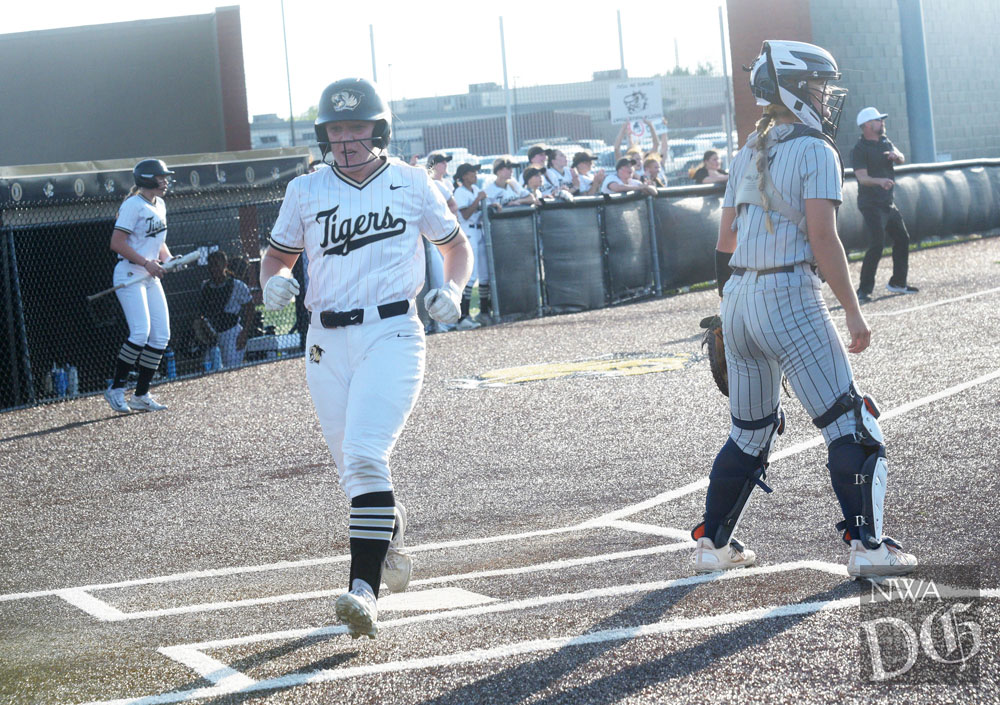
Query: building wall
[[123, 90], [963, 58], [864, 36]]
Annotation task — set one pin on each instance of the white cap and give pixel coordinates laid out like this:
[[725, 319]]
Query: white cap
[[870, 114]]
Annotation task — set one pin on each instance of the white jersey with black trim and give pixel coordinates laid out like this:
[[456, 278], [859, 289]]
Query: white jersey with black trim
[[145, 223], [362, 238], [446, 190], [801, 168]]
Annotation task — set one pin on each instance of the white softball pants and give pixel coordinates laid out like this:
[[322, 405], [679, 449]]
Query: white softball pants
[[145, 307], [364, 381]]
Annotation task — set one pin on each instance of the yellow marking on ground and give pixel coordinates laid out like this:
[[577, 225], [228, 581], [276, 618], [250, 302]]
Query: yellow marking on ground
[[609, 366]]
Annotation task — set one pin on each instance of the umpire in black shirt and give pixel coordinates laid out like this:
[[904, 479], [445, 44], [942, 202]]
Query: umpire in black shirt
[[874, 158]]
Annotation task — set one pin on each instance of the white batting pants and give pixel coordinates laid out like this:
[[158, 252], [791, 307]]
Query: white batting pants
[[145, 307], [364, 386], [480, 267], [232, 356]]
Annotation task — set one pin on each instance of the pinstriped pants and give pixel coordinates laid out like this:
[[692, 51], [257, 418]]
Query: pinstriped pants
[[774, 324]]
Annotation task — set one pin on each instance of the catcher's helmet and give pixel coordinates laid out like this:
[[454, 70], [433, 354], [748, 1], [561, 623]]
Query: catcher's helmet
[[781, 75], [353, 99], [145, 172]]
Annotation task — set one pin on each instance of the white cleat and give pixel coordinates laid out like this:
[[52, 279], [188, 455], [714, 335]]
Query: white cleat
[[116, 399], [145, 403], [468, 323], [357, 609], [887, 560], [397, 566], [708, 558]]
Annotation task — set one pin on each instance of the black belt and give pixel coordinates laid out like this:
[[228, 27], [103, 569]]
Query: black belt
[[787, 269], [355, 317]]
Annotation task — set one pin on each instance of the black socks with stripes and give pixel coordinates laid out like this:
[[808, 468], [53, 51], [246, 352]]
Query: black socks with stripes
[[127, 356], [149, 361], [372, 521]]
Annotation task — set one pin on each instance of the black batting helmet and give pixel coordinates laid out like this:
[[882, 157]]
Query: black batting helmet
[[353, 99], [145, 172]]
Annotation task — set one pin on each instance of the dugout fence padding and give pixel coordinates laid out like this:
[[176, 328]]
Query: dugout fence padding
[[558, 258]]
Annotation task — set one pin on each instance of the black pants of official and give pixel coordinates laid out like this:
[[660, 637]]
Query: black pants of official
[[879, 222]]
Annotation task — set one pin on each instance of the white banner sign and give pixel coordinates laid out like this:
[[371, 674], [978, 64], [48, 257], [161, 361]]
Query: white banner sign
[[636, 100]]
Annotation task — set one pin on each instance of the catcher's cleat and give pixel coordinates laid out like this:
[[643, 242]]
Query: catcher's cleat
[[887, 560], [358, 610], [397, 566], [145, 403], [708, 558], [116, 400]]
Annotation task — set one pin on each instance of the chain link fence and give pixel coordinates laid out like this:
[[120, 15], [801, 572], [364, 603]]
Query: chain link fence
[[54, 254]]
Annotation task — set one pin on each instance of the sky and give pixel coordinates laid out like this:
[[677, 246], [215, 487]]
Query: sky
[[422, 48]]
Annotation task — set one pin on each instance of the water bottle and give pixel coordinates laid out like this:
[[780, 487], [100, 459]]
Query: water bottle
[[72, 380], [58, 380], [207, 362], [171, 364], [216, 358]]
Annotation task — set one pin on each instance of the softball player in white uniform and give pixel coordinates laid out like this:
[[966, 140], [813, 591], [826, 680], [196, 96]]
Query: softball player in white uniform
[[469, 198], [139, 239], [360, 223], [778, 225]]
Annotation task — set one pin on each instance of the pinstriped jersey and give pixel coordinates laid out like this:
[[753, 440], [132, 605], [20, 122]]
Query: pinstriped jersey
[[145, 223], [362, 239], [801, 168]]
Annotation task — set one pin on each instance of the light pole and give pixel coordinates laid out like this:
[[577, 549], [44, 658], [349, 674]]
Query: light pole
[[288, 75]]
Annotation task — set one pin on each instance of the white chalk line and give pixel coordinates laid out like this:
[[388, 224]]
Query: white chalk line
[[933, 304], [106, 612]]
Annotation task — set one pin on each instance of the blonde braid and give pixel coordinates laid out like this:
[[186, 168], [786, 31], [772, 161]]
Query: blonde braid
[[764, 125]]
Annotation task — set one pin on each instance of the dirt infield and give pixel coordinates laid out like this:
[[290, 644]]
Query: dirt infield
[[552, 471]]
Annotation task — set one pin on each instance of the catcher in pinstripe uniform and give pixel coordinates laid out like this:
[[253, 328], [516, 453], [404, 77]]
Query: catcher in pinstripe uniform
[[778, 226]]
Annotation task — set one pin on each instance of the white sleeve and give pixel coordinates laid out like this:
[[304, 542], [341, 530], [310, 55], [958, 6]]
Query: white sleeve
[[241, 293], [288, 233], [437, 223], [127, 214]]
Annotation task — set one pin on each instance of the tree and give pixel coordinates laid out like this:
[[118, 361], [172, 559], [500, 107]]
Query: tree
[[309, 115], [705, 69], [680, 71]]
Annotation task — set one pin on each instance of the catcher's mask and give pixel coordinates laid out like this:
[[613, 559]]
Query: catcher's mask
[[797, 75], [351, 100]]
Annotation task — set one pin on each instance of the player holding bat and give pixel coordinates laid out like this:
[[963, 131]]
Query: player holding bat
[[139, 239]]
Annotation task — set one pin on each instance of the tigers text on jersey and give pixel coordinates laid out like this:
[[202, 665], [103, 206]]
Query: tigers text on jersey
[[362, 239], [145, 223], [801, 168]]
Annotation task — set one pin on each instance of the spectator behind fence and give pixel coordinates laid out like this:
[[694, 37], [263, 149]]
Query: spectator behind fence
[[469, 198], [415, 159], [538, 159], [314, 165], [634, 150], [709, 171], [437, 166], [590, 182], [533, 182], [561, 178], [651, 172], [139, 238], [622, 180], [505, 191], [226, 301]]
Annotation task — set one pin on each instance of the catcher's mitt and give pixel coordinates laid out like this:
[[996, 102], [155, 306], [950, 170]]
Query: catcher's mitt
[[204, 333], [716, 351]]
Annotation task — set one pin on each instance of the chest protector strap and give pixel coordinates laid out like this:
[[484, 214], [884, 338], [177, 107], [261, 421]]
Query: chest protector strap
[[749, 192]]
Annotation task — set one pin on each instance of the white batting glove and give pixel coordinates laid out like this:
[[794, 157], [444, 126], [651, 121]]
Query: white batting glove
[[279, 291], [443, 304]]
